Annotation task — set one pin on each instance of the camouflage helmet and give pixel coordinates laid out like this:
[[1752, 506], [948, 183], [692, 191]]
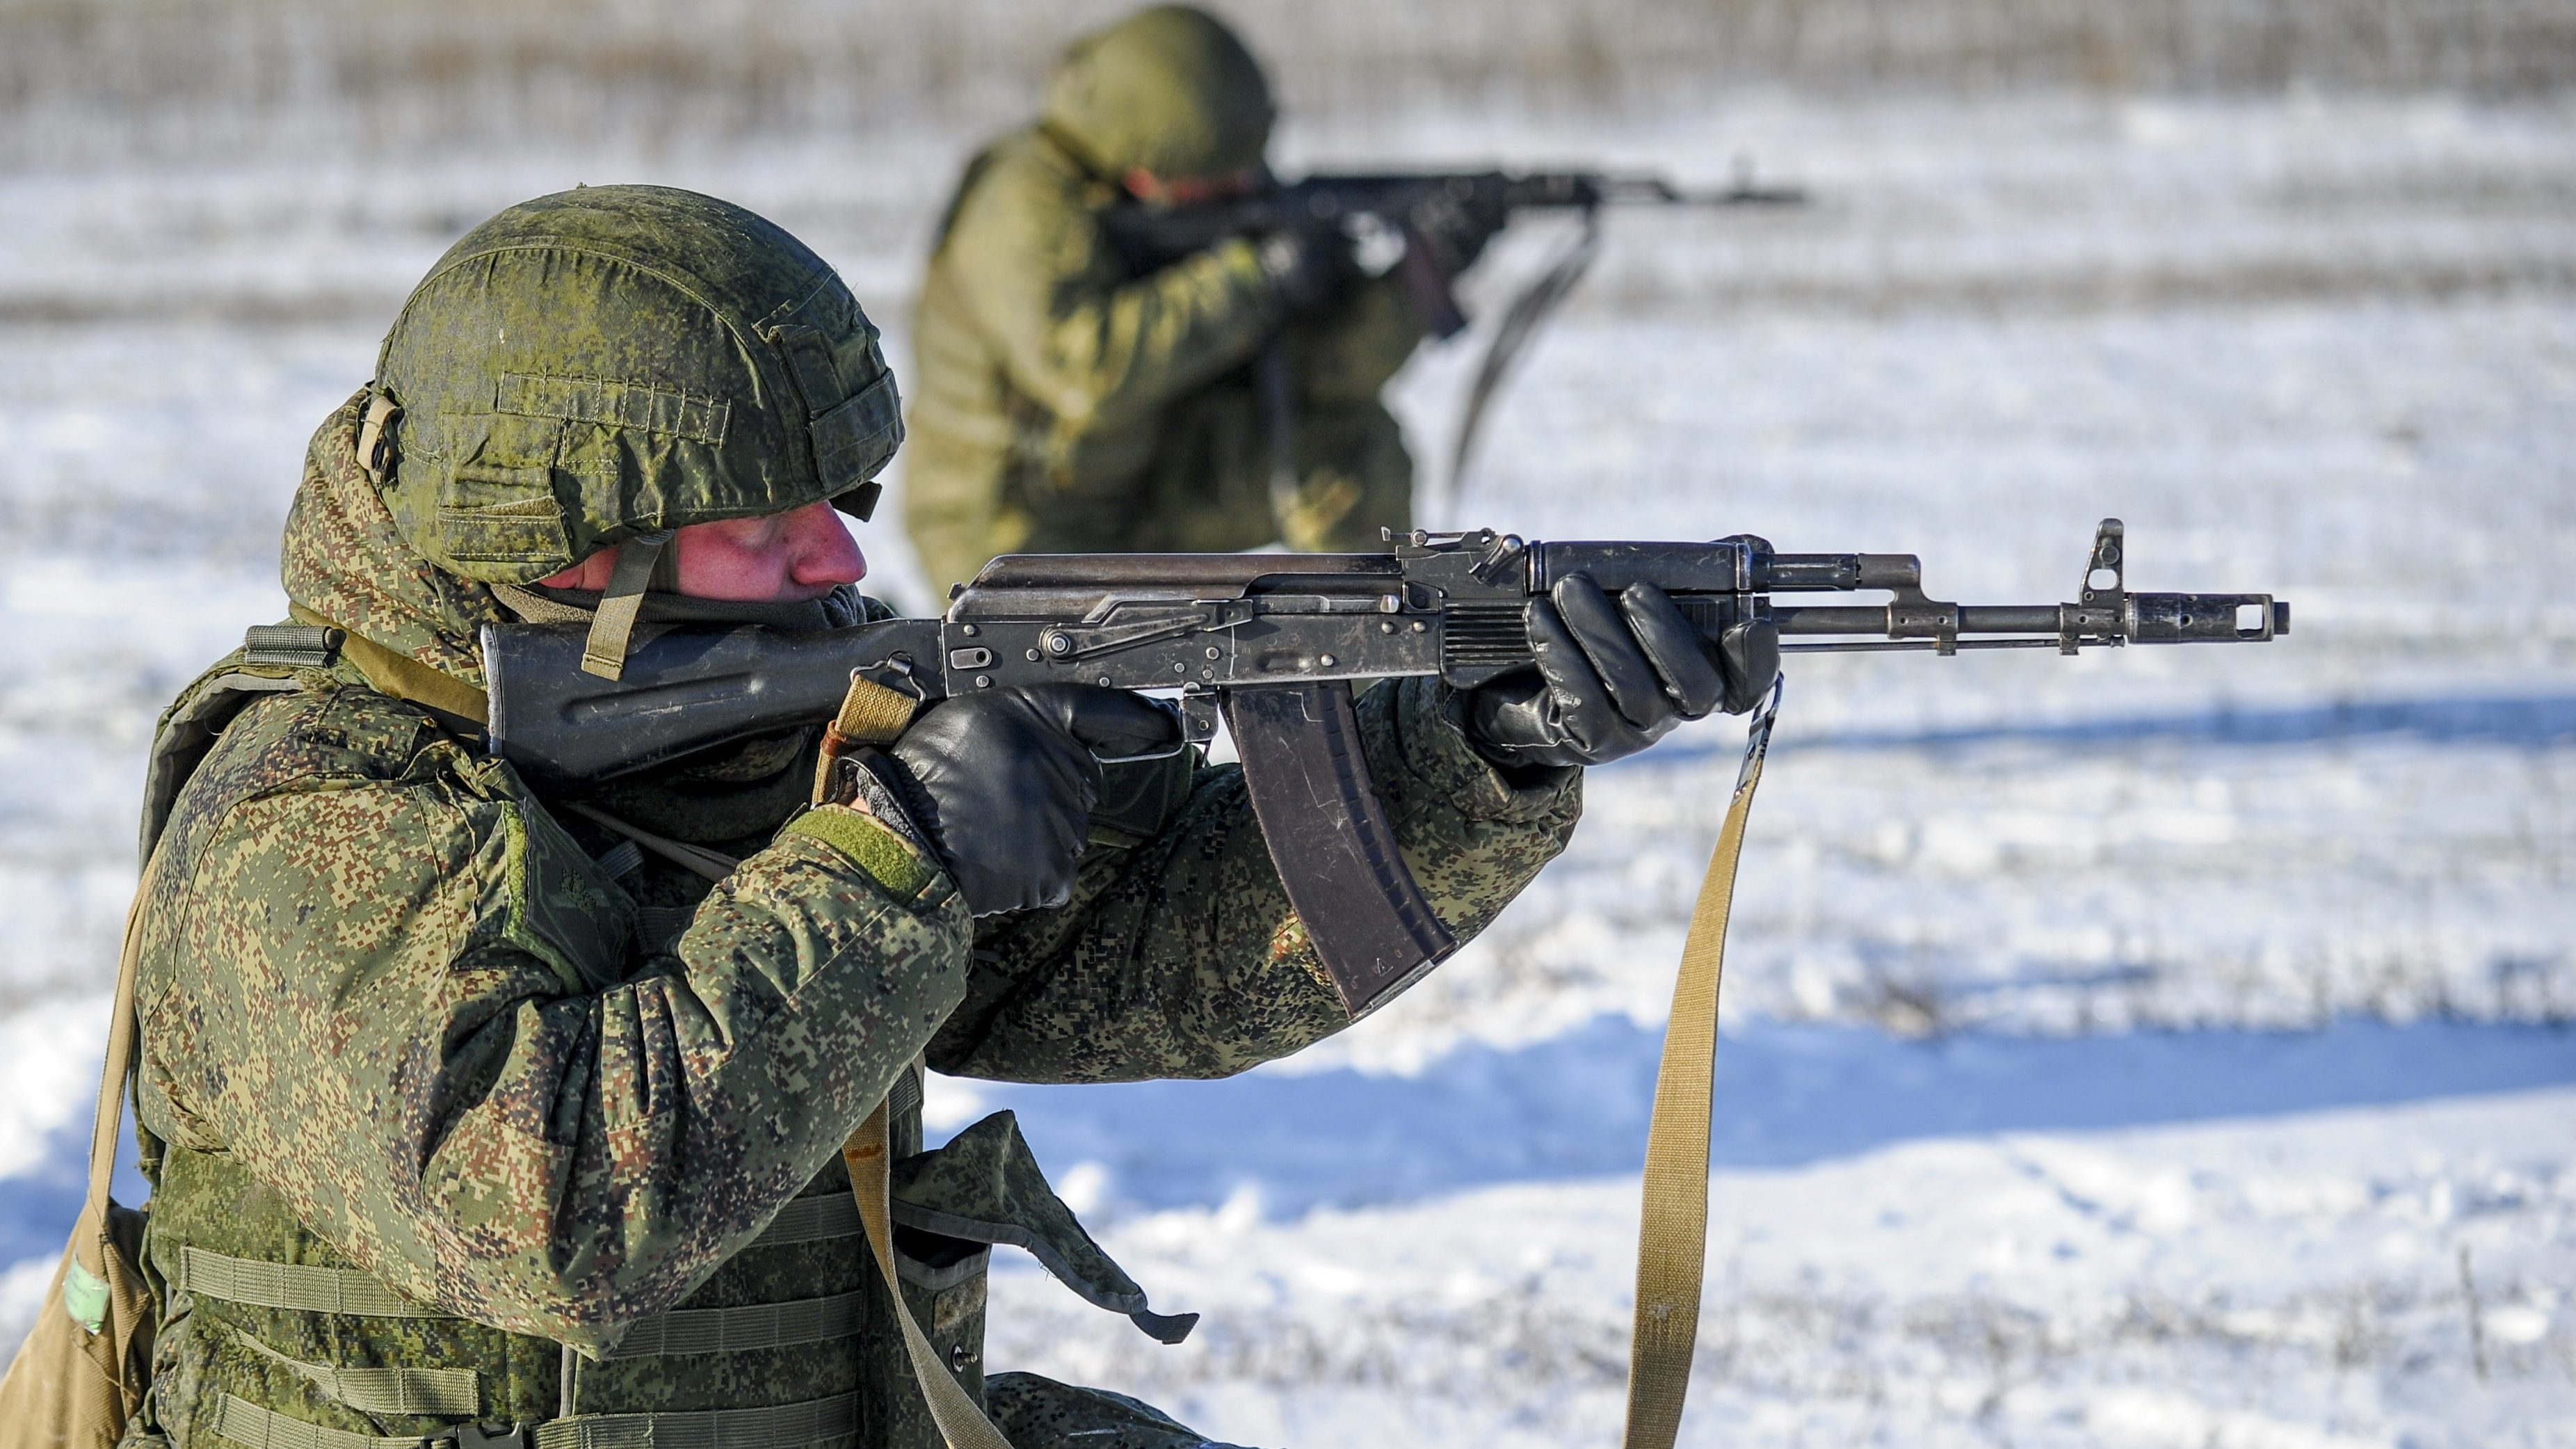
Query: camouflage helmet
[[1169, 89], [614, 362]]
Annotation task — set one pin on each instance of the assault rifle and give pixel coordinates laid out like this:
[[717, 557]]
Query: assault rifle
[[1274, 642], [1419, 207], [1416, 205]]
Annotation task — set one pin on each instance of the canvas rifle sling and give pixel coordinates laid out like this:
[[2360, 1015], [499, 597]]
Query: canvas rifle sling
[[1672, 1231], [873, 715], [961, 1423]]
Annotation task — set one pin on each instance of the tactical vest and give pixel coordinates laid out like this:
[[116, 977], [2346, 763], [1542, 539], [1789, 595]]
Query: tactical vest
[[271, 1339]]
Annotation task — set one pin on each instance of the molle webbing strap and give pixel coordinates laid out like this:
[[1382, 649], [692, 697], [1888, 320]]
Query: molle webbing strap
[[1672, 1233], [604, 652], [906, 1097], [753, 1325], [659, 926], [621, 860], [813, 1220], [832, 1421], [403, 677], [293, 1287], [447, 1392], [308, 1288], [815, 1422], [637, 405], [242, 1422]]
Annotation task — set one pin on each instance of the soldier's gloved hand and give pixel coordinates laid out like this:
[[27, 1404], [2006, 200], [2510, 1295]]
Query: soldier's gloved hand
[[1613, 678], [1002, 782], [1310, 265], [1456, 228]]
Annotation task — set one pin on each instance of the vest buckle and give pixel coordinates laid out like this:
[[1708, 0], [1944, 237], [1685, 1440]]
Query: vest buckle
[[493, 1436]]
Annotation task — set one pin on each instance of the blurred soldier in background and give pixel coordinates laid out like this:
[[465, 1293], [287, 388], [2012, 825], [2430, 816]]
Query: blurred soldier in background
[[1073, 400]]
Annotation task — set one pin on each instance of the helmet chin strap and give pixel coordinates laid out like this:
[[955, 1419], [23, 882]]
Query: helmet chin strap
[[639, 564]]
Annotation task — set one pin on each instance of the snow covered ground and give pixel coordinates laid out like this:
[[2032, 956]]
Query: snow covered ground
[[2154, 1048], [2328, 1280]]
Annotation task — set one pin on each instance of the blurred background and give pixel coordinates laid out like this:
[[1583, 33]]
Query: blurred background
[[2153, 1048]]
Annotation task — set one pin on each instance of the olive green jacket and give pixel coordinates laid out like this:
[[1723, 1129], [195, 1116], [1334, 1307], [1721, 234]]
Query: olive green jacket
[[452, 1111], [1061, 399]]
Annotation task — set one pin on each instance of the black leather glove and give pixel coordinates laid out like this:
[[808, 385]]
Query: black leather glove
[[1614, 678], [1310, 265], [1002, 781]]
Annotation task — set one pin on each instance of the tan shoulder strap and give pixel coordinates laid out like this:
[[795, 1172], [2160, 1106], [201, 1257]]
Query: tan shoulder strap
[[1672, 1232], [960, 1422], [400, 676], [873, 715], [110, 1122], [870, 714]]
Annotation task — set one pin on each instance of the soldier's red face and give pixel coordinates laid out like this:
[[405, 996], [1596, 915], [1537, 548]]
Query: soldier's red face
[[778, 559], [1144, 185]]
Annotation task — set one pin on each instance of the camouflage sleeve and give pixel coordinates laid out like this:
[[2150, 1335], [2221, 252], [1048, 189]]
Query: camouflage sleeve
[[1348, 353], [403, 997], [1096, 350], [1182, 958]]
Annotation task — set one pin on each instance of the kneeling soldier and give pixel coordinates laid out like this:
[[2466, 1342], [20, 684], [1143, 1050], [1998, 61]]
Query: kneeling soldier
[[1074, 399], [471, 1111]]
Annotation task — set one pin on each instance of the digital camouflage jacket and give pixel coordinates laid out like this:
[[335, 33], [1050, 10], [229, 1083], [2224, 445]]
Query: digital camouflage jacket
[[456, 1112]]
